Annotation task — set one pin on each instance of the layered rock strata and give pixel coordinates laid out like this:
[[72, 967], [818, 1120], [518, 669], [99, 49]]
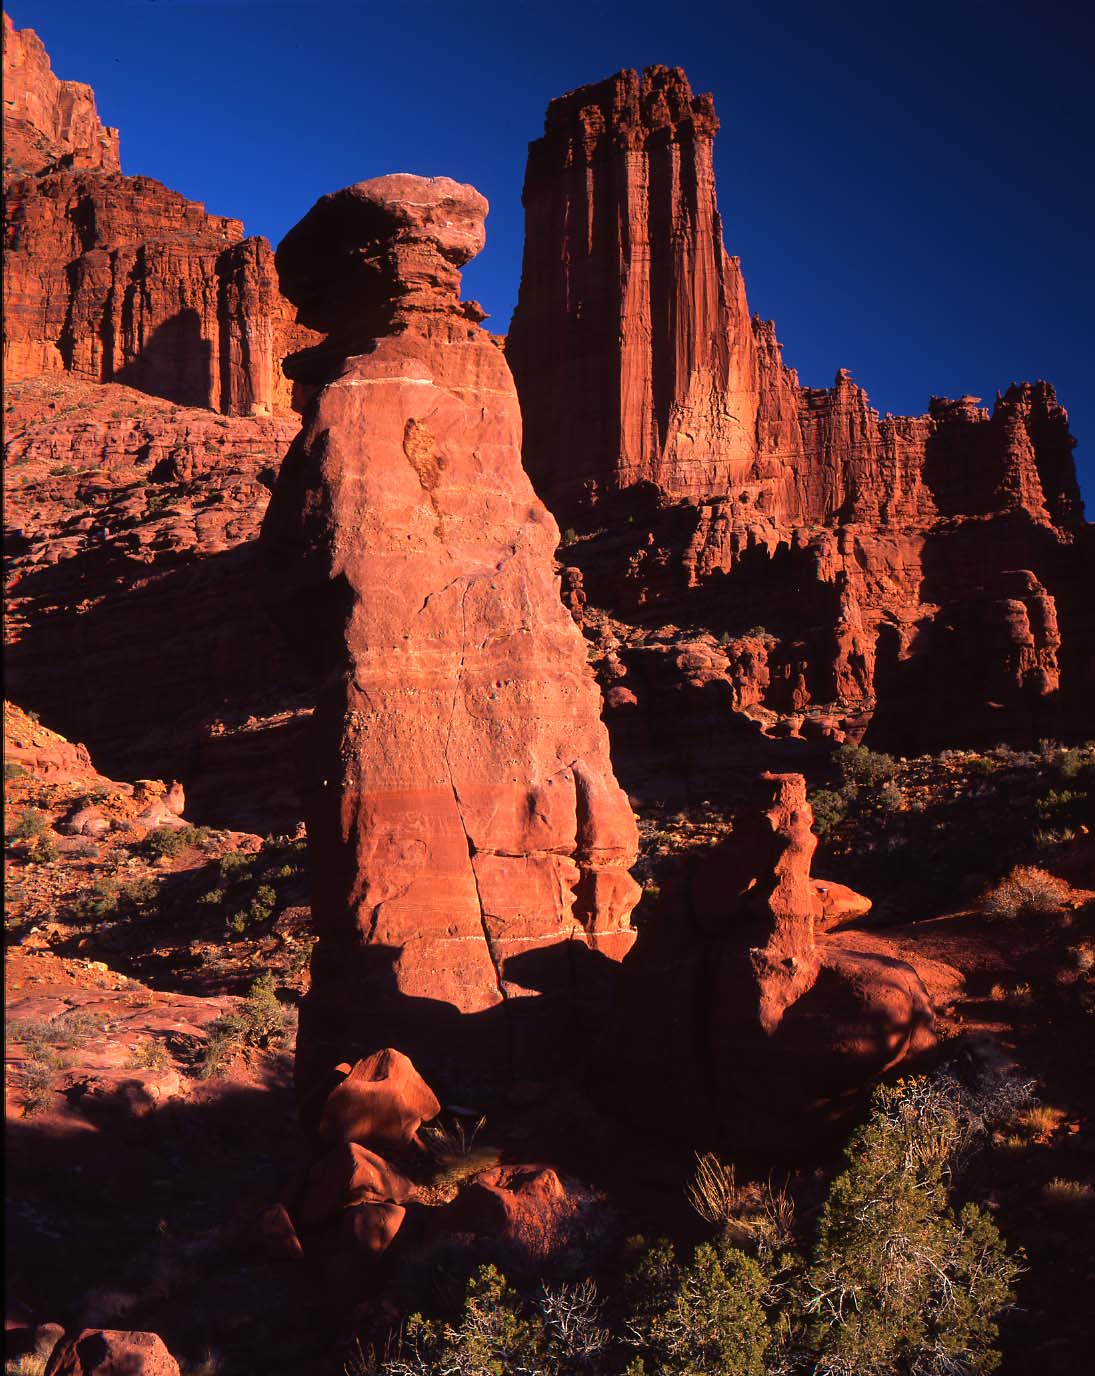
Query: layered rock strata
[[470, 844], [651, 398], [761, 1018], [118, 279], [134, 621]]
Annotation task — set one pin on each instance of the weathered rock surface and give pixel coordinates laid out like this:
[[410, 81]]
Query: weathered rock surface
[[653, 402], [110, 1352], [749, 992], [118, 279], [49, 123], [382, 1101], [470, 844], [130, 530]]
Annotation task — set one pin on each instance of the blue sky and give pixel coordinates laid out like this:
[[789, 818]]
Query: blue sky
[[908, 186]]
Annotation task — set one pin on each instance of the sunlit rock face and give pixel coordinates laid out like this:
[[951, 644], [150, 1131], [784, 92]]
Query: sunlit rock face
[[717, 492], [470, 844]]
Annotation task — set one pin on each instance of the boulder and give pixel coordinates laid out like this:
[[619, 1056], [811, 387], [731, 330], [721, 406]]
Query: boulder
[[347, 1174], [382, 1102], [373, 1226], [111, 1352]]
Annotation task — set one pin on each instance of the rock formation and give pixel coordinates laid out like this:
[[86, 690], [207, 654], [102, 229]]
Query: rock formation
[[749, 991], [49, 123], [469, 842], [651, 398], [118, 279], [130, 544]]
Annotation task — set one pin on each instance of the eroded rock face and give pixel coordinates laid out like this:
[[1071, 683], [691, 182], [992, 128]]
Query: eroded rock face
[[470, 844], [651, 399], [118, 279], [748, 991], [47, 122]]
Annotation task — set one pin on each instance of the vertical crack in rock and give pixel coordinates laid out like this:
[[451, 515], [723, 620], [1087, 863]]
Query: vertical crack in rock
[[495, 962]]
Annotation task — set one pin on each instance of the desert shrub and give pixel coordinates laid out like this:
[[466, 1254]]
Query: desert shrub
[[97, 904], [569, 537], [235, 865], [13, 771], [1026, 892], [494, 1333], [898, 1281], [705, 1317], [260, 1020], [1069, 764], [259, 909], [858, 765], [712, 1191], [830, 807], [80, 1023], [44, 850], [31, 825], [40, 1060], [1061, 1193], [150, 1055], [172, 841], [889, 797]]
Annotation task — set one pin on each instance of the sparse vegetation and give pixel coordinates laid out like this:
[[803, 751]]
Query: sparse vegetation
[[858, 765], [895, 1279], [1025, 892], [260, 1020], [172, 841]]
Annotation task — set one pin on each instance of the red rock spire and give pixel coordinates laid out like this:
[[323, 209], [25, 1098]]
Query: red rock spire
[[470, 843]]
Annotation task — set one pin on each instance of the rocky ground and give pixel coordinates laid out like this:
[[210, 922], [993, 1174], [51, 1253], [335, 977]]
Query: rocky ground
[[146, 1147]]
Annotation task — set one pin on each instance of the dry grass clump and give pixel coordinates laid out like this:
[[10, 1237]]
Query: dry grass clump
[[754, 1217], [1063, 1193], [457, 1155], [1026, 892], [1040, 1122]]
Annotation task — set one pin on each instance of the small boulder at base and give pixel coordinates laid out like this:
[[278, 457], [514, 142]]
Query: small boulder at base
[[373, 1226], [111, 1352], [276, 1235], [382, 1102], [839, 905], [347, 1174]]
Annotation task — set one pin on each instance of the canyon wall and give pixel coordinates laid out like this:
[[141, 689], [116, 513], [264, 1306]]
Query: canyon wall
[[118, 279], [652, 399], [470, 845]]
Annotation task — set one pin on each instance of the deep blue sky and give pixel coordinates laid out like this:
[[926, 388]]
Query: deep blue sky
[[908, 186]]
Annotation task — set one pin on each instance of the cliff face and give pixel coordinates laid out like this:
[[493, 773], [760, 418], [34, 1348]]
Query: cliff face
[[650, 397], [118, 279], [470, 844], [47, 122], [631, 343]]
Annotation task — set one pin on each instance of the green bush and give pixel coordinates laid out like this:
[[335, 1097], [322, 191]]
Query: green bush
[[172, 841], [30, 826], [899, 1282], [858, 765], [705, 1317], [13, 771], [830, 807], [260, 1020]]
